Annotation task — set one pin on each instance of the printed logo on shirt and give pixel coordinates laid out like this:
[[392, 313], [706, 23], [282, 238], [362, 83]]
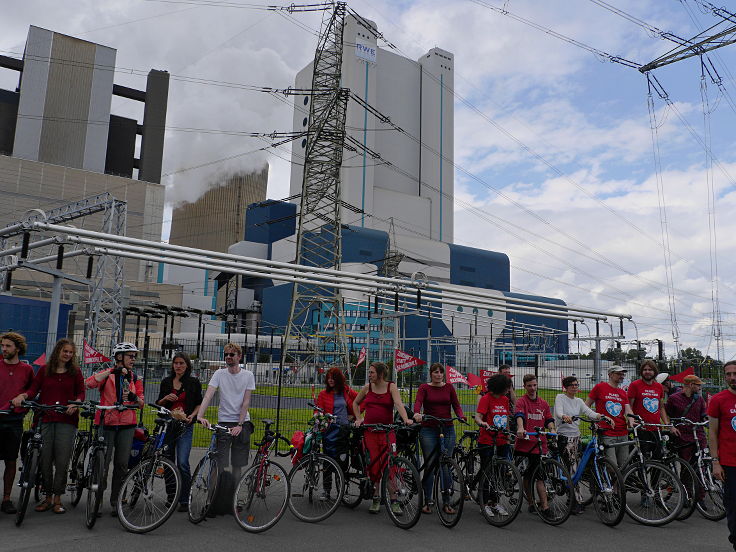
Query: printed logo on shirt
[[652, 405], [613, 408], [500, 421], [733, 423]]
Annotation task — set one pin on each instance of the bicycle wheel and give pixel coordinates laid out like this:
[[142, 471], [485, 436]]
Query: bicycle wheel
[[552, 477], [469, 466], [609, 493], [402, 488], [95, 487], [689, 481], [261, 497], [76, 475], [500, 492], [449, 492], [26, 483], [204, 488], [317, 486], [654, 495], [149, 495], [711, 505]]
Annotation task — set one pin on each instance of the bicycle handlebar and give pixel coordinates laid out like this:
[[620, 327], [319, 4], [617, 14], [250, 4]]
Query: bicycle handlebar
[[688, 421], [160, 409], [288, 451], [443, 420], [33, 405]]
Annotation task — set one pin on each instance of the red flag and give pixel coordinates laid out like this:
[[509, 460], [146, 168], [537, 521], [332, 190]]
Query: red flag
[[404, 361], [40, 361], [361, 357], [485, 374], [680, 378], [475, 380], [92, 355], [453, 376]]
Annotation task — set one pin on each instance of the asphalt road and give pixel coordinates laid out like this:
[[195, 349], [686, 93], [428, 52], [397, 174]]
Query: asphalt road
[[358, 530]]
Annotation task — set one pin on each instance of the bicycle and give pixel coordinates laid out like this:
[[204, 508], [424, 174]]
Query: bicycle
[[311, 477], [556, 482], [654, 494], [262, 494], [710, 502], [30, 473], [204, 479], [94, 469], [82, 443], [449, 483], [150, 492], [601, 478]]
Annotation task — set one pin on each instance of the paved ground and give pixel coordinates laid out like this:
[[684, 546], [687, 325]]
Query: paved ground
[[356, 529]]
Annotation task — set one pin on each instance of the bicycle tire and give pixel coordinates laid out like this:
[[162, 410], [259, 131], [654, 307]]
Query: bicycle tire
[[257, 485], [38, 485], [27, 483], [76, 474], [203, 488], [711, 506], [503, 482], [470, 466], [558, 487], [667, 487], [690, 483], [149, 495], [609, 493], [354, 482], [307, 487], [401, 478], [452, 497], [95, 487]]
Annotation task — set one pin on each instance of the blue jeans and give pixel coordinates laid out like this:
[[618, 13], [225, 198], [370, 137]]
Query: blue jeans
[[179, 451], [429, 438]]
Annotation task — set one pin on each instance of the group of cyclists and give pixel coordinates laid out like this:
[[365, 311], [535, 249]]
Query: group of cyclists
[[522, 429]]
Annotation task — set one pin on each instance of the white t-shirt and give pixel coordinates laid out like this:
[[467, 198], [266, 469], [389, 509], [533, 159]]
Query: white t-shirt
[[565, 406], [232, 390]]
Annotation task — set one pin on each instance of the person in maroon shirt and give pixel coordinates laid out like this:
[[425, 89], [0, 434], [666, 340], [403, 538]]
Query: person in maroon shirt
[[15, 377], [435, 398], [689, 404], [58, 382]]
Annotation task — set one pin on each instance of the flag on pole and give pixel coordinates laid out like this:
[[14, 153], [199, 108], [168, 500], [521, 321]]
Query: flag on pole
[[453, 376], [474, 380], [680, 378], [92, 355], [40, 361], [485, 374], [361, 357], [404, 361]]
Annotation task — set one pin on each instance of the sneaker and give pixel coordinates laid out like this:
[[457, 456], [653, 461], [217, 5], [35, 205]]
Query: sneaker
[[396, 508], [489, 510], [375, 506], [7, 507], [501, 510]]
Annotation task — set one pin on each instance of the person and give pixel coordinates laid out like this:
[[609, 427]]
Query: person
[[380, 397], [722, 441], [336, 398], [668, 385], [494, 410], [118, 385], [646, 397], [58, 382], [505, 370], [16, 377], [688, 404], [235, 385], [567, 406], [181, 393], [532, 412], [612, 401], [435, 398]]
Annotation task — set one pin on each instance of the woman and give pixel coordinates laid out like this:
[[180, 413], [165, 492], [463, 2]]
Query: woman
[[379, 398], [435, 398], [181, 393], [336, 398], [58, 382], [567, 406]]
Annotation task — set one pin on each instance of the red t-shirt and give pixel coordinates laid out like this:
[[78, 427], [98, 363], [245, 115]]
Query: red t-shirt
[[723, 407], [536, 413], [495, 412], [647, 400], [14, 380], [611, 401]]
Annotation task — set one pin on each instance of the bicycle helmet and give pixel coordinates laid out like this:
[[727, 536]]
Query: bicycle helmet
[[124, 347]]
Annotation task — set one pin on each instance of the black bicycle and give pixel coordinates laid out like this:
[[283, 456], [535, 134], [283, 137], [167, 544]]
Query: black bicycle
[[205, 477], [82, 445]]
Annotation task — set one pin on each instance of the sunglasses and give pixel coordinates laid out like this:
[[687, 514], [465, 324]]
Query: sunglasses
[[231, 354]]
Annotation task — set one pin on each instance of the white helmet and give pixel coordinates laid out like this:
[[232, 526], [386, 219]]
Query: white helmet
[[124, 348], [661, 377]]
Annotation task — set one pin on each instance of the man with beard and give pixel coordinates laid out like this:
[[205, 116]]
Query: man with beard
[[646, 397]]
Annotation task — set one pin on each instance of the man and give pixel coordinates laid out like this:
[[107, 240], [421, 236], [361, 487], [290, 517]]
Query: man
[[533, 412], [118, 385], [16, 377], [236, 386], [667, 384], [688, 404], [722, 440], [612, 401], [646, 398]]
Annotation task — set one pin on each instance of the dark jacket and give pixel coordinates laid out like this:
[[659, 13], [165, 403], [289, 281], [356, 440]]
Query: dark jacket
[[191, 386]]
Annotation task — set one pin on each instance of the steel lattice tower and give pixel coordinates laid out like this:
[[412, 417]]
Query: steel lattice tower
[[315, 328]]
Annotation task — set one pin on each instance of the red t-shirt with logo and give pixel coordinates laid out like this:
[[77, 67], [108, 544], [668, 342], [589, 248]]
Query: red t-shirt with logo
[[611, 401], [723, 407], [536, 413], [495, 412], [647, 400]]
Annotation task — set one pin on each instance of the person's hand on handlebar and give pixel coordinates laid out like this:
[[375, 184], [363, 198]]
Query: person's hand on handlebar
[[71, 410], [520, 433], [17, 401], [205, 422], [418, 417], [567, 419], [358, 422]]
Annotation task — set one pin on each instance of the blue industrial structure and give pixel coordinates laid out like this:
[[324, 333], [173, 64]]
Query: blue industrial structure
[[30, 317]]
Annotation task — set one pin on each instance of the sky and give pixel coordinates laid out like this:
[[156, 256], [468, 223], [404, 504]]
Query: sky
[[554, 144]]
